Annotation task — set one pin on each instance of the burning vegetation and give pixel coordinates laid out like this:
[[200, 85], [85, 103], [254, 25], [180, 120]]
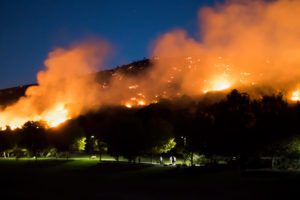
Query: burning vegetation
[[249, 45], [66, 88]]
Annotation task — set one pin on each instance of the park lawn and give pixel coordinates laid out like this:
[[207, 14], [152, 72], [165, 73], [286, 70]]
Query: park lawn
[[89, 179]]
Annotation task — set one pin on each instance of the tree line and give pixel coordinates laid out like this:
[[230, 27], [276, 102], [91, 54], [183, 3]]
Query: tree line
[[236, 126]]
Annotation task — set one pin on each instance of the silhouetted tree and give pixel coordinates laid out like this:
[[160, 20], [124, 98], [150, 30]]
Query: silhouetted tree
[[33, 137], [64, 136]]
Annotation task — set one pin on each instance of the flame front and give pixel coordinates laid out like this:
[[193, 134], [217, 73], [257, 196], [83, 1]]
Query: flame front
[[218, 84], [295, 96], [65, 88], [52, 118], [56, 116]]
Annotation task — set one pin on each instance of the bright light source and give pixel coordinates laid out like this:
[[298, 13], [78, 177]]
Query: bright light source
[[128, 105], [218, 84], [141, 103], [295, 96]]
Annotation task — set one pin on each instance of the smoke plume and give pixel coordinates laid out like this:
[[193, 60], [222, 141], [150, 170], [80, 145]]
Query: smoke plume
[[243, 43], [248, 45], [66, 88]]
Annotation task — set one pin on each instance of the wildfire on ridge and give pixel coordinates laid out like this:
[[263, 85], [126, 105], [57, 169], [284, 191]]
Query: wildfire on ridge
[[235, 50], [52, 118], [58, 114], [61, 90], [136, 101]]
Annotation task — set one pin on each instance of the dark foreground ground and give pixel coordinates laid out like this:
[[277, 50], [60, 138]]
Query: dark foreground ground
[[91, 180]]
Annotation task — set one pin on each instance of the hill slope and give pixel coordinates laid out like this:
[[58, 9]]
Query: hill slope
[[9, 96]]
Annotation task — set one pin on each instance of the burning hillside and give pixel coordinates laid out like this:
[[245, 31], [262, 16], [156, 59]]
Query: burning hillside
[[248, 45]]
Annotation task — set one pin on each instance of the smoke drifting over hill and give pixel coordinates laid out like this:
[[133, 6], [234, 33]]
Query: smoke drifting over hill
[[249, 45], [65, 88], [244, 43]]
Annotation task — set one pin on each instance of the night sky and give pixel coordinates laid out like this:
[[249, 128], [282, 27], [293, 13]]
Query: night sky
[[29, 29]]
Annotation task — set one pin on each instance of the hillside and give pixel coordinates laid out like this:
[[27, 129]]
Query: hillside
[[10, 95]]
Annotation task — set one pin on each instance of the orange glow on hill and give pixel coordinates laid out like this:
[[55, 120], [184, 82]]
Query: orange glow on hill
[[56, 116], [295, 96], [218, 84], [247, 45]]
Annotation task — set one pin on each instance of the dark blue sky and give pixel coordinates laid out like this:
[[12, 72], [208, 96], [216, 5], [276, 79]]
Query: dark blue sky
[[29, 29]]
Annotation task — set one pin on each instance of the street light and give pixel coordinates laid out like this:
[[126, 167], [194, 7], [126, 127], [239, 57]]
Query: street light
[[92, 144]]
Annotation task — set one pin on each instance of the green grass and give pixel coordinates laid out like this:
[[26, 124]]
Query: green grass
[[88, 179]]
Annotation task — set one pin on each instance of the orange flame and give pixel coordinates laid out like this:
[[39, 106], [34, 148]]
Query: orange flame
[[258, 40], [52, 118], [295, 96], [218, 84], [56, 116], [65, 88]]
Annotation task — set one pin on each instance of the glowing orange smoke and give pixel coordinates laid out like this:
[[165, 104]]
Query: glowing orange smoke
[[218, 84], [295, 95], [53, 117], [243, 43], [56, 116], [65, 88], [252, 42]]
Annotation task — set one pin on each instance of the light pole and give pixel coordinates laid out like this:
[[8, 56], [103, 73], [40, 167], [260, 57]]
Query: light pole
[[184, 145], [92, 144]]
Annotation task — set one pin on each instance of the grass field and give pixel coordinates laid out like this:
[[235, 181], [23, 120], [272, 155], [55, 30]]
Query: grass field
[[89, 179]]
